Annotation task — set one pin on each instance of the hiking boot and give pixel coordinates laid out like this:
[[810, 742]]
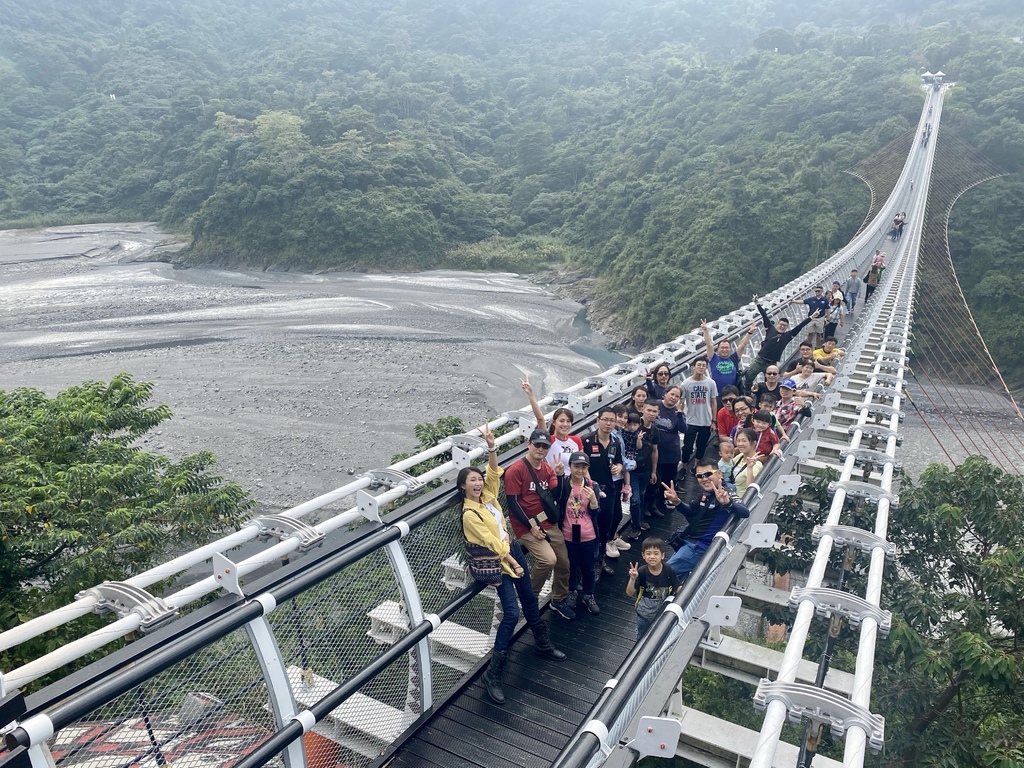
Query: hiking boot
[[543, 645], [563, 609], [492, 677]]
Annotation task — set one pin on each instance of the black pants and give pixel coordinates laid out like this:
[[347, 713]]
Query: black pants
[[699, 434], [667, 473]]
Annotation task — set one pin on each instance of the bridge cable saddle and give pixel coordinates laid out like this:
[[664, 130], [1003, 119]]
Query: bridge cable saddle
[[124, 599], [596, 382], [865, 457], [886, 378], [881, 392], [570, 400], [526, 422], [392, 478], [821, 707], [280, 527], [852, 607], [875, 432], [866, 491], [877, 411], [885, 364], [858, 538]]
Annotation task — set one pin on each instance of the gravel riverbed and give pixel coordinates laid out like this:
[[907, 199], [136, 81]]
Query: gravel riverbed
[[293, 380]]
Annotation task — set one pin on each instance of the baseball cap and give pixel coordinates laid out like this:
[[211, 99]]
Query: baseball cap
[[540, 437], [788, 383], [579, 457]]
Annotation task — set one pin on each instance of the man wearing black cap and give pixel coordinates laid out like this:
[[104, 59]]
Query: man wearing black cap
[[533, 526]]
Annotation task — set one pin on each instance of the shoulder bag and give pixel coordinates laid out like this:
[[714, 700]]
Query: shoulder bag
[[484, 565], [648, 608]]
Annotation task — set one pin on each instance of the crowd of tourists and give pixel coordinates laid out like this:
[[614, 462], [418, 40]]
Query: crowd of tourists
[[569, 496]]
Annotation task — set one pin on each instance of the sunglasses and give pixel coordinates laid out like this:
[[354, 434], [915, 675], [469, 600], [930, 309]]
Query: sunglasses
[[771, 374], [704, 475], [728, 399]]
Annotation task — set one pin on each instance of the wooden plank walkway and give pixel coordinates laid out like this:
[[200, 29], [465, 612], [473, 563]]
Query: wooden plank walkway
[[546, 700]]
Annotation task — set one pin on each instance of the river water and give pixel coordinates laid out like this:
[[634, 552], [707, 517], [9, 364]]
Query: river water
[[292, 380]]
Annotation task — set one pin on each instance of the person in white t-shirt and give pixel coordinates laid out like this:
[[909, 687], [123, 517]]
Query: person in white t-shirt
[[563, 444]]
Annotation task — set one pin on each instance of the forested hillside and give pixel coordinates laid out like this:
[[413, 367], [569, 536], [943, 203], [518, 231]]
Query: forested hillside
[[683, 152]]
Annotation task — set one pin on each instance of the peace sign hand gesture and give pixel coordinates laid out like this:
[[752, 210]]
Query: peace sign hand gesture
[[487, 435], [670, 492]]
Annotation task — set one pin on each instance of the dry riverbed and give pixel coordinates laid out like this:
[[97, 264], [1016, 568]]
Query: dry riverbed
[[294, 381]]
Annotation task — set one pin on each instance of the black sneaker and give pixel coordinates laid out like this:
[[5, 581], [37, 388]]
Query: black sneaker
[[561, 607], [645, 526], [571, 599], [634, 535], [591, 605], [656, 513], [607, 570]]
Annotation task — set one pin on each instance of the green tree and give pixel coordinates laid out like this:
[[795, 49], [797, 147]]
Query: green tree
[[951, 678], [82, 503]]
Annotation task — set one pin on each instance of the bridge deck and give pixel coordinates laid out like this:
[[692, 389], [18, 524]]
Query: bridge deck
[[546, 700]]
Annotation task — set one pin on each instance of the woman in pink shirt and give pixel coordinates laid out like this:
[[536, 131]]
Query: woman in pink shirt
[[578, 500]]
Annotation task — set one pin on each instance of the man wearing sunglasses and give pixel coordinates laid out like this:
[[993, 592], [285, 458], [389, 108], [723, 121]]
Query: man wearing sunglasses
[[705, 516]]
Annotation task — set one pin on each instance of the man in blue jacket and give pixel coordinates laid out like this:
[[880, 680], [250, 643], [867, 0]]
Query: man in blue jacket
[[706, 516]]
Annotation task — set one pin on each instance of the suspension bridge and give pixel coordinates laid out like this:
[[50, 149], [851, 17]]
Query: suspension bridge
[[358, 640]]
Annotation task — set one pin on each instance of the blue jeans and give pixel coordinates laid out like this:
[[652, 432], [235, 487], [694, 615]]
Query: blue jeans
[[507, 591], [686, 558], [638, 481], [582, 559], [642, 625]]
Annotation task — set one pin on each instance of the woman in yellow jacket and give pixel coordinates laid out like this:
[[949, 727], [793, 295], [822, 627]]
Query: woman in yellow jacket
[[484, 524]]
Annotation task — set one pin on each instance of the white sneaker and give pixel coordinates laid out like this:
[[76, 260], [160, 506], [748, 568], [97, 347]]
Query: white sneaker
[[611, 551], [621, 543]]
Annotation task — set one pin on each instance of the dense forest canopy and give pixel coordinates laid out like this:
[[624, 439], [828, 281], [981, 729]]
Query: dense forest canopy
[[688, 152]]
